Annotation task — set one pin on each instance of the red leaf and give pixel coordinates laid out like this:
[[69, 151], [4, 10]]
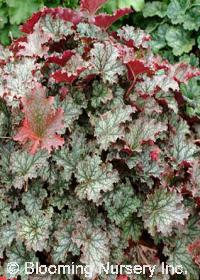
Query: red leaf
[[41, 122], [184, 72], [28, 26], [197, 200], [62, 59], [64, 13], [122, 277], [154, 154], [16, 46], [194, 250], [60, 76], [105, 21], [140, 40], [127, 150], [70, 15], [36, 43], [63, 92], [91, 6], [75, 17], [71, 70], [137, 67]]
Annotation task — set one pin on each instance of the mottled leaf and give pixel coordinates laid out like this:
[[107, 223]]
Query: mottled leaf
[[64, 244], [105, 62], [34, 230], [94, 177], [108, 128], [162, 211], [25, 166], [143, 129], [94, 245], [121, 203]]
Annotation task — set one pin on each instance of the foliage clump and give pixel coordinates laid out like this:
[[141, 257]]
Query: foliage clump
[[174, 26], [99, 157]]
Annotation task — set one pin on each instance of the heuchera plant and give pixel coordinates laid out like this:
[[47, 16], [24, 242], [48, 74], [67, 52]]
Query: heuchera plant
[[99, 159]]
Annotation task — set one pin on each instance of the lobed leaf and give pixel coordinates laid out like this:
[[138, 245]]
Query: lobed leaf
[[41, 123], [108, 128], [94, 246], [105, 62], [34, 230], [121, 203], [25, 166], [162, 211], [94, 177]]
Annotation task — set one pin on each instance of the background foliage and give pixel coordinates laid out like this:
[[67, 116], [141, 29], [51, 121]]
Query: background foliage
[[174, 26]]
